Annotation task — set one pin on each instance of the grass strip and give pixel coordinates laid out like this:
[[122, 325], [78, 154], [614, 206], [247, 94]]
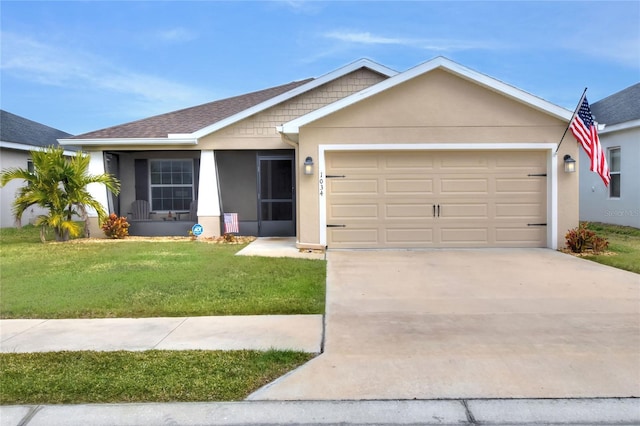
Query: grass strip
[[150, 376], [149, 279], [624, 242]]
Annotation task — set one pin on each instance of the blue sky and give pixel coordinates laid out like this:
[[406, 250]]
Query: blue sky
[[82, 66]]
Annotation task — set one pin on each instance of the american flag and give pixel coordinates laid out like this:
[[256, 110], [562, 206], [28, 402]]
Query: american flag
[[586, 132], [231, 223]]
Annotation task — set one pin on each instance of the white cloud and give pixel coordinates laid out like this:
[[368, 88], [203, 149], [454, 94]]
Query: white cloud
[[26, 58], [177, 34], [300, 6], [435, 44], [364, 38]]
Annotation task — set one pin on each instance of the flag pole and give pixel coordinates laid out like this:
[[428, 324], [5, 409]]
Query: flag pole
[[572, 117]]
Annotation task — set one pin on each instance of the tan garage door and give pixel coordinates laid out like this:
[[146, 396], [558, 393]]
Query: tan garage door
[[396, 199]]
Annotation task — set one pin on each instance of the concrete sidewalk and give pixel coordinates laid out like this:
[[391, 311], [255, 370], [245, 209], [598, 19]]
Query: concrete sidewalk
[[392, 412], [258, 332], [279, 247]]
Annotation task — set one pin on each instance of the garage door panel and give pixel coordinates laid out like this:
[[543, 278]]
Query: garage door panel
[[531, 236], [516, 210], [520, 185], [532, 162], [462, 161], [486, 199], [353, 211], [409, 186], [401, 164], [478, 210], [419, 211], [412, 236], [360, 236], [353, 186], [463, 186], [456, 235]]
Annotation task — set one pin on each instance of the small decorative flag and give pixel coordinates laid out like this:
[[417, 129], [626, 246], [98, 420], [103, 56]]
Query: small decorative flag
[[231, 223], [586, 132]]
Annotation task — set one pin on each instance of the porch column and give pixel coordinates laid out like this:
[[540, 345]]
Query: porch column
[[208, 195], [98, 191]]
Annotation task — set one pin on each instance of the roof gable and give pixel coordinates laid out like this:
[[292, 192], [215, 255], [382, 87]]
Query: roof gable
[[362, 63], [16, 129], [191, 119], [618, 108], [188, 125], [293, 127]]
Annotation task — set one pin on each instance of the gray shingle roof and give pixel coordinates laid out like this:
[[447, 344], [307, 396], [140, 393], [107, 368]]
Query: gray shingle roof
[[16, 129], [619, 107], [191, 119]]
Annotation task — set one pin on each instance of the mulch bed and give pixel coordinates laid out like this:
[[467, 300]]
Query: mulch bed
[[588, 252], [209, 240]]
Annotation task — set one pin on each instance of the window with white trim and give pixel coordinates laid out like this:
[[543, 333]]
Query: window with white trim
[[171, 184], [614, 169]]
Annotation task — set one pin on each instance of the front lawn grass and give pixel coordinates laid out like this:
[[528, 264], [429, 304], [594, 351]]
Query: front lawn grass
[[151, 376], [624, 241], [81, 279]]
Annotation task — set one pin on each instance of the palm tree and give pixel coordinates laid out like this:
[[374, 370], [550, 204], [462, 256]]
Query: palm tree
[[58, 184]]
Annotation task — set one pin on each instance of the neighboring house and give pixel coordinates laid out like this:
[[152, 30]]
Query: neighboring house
[[18, 136], [619, 203], [363, 157]]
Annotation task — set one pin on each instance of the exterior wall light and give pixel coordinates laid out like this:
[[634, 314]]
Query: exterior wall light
[[308, 166], [569, 164]]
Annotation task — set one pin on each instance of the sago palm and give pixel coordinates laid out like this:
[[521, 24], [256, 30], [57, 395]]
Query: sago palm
[[58, 184]]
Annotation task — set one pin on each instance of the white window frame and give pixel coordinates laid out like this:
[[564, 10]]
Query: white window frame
[[612, 172], [172, 185]]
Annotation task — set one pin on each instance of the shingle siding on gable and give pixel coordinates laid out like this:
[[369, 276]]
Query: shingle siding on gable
[[264, 123]]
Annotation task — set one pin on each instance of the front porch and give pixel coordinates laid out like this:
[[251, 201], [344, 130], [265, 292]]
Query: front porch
[[164, 192]]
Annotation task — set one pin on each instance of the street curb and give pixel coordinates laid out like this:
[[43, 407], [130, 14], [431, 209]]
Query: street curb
[[502, 412]]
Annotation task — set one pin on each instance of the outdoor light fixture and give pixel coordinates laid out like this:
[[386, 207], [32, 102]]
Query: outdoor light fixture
[[569, 164], [308, 166]]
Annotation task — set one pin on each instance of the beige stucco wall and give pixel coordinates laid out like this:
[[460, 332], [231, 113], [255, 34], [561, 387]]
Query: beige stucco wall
[[437, 107]]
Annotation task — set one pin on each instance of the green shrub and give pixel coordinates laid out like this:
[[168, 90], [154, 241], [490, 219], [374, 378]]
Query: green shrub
[[116, 227], [581, 238]]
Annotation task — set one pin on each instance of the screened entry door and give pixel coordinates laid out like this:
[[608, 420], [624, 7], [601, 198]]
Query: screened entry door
[[275, 196]]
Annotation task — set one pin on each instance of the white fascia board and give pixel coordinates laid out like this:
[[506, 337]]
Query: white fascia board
[[293, 127], [620, 126], [26, 147], [362, 63], [129, 141]]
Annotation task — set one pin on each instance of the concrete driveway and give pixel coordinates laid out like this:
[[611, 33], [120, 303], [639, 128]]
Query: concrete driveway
[[492, 323]]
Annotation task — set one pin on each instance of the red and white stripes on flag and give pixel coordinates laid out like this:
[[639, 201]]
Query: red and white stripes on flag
[[586, 132], [231, 223]]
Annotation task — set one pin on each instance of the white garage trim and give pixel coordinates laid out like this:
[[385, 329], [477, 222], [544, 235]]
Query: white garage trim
[[552, 178]]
